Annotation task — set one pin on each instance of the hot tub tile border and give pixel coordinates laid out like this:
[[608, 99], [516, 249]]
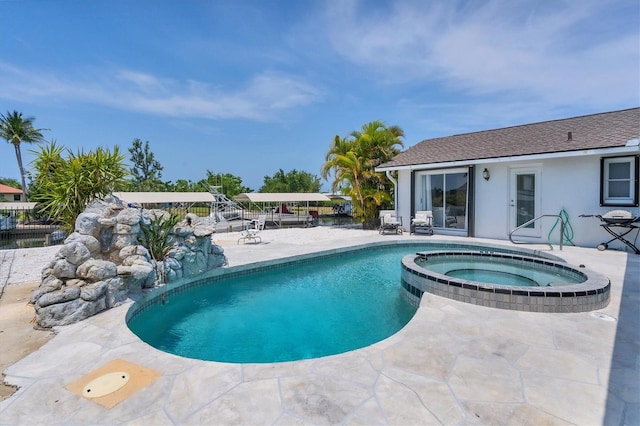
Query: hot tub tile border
[[596, 295]]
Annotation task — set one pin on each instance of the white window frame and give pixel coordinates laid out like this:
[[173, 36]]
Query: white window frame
[[631, 199]]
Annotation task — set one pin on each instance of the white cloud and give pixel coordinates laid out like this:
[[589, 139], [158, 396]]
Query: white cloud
[[543, 50], [259, 99]]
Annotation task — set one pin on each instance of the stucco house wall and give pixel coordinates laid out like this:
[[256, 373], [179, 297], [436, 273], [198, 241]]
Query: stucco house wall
[[572, 185]]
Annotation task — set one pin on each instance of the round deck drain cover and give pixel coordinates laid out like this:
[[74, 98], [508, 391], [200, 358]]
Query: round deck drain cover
[[105, 384]]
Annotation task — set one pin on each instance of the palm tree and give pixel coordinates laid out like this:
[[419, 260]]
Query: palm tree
[[16, 129], [352, 161]]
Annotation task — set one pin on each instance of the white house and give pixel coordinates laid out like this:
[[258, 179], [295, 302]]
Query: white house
[[485, 184]]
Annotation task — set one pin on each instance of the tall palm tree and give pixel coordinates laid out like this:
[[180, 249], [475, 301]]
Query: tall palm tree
[[352, 161], [17, 129]]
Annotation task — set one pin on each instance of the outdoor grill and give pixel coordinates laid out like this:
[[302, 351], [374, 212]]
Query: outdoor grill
[[618, 219]]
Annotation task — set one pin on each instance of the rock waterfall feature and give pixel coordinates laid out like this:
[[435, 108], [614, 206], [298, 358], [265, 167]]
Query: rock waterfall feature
[[103, 260]]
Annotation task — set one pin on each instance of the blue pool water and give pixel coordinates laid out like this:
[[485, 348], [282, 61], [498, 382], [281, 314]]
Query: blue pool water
[[325, 307]]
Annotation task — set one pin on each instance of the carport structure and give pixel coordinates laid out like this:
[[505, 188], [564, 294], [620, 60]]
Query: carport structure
[[174, 199], [272, 203]]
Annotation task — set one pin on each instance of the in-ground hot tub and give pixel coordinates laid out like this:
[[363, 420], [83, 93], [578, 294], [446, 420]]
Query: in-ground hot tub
[[507, 281]]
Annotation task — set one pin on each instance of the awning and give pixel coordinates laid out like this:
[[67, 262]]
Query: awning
[[17, 206], [280, 197], [165, 197]]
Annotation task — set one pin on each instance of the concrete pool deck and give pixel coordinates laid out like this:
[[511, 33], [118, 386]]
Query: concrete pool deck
[[454, 363]]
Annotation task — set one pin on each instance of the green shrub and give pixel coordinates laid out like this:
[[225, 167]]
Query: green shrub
[[156, 235]]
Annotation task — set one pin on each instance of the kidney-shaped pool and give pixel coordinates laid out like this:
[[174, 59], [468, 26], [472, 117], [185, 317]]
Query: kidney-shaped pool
[[322, 307]]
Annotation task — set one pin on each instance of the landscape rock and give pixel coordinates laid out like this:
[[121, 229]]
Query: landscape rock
[[129, 217], [51, 284], [75, 252], [134, 250], [89, 241], [64, 295], [96, 270], [116, 292], [87, 224], [92, 292], [68, 312], [64, 269]]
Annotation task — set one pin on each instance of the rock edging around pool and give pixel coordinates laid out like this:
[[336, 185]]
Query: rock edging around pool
[[592, 294]]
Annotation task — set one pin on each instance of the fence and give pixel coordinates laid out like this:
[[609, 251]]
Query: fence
[[22, 227]]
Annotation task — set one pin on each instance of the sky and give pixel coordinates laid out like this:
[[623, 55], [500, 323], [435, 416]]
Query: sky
[[249, 87]]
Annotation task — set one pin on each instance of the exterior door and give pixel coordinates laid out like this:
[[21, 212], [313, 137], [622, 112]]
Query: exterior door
[[524, 200], [445, 194]]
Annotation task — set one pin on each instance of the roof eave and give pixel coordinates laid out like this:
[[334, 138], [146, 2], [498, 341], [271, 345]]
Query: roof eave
[[528, 157]]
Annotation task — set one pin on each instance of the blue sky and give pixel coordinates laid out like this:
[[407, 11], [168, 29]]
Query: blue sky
[[249, 87]]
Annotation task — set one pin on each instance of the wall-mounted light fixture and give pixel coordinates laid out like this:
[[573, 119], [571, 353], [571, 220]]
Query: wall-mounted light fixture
[[485, 174]]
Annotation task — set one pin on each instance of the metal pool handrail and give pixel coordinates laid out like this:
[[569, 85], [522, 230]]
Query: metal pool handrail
[[529, 222]]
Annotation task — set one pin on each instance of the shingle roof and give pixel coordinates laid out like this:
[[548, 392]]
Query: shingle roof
[[604, 130]]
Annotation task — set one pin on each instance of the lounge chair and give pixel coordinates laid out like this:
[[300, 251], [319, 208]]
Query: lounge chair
[[253, 229], [422, 222], [390, 222]]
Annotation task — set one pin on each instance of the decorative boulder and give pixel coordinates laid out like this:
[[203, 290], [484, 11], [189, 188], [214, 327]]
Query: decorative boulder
[[90, 242], [88, 224], [96, 270]]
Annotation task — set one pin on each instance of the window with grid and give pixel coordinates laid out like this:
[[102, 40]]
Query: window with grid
[[619, 181]]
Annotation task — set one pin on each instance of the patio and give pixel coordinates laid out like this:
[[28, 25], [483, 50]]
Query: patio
[[454, 363]]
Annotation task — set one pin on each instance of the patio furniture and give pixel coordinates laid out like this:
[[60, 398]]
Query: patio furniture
[[390, 222], [253, 229], [422, 223]]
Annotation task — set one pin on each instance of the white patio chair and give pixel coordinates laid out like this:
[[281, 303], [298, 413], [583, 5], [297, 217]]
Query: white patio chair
[[422, 222], [253, 229], [390, 222]]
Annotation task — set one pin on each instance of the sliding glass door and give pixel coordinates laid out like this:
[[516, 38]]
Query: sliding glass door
[[446, 195]]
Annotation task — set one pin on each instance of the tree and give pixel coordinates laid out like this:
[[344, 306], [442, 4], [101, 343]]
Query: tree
[[182, 185], [293, 181], [64, 186], [146, 170], [352, 161], [10, 182], [231, 184], [17, 129]]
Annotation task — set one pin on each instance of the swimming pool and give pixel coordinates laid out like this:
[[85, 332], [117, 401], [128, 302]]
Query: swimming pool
[[308, 307], [323, 307], [298, 308]]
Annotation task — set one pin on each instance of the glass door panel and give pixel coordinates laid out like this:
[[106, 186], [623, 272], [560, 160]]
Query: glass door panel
[[456, 200], [446, 195], [525, 200]]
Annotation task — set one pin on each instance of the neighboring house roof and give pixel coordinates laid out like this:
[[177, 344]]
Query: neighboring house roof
[[4, 189], [596, 131]]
